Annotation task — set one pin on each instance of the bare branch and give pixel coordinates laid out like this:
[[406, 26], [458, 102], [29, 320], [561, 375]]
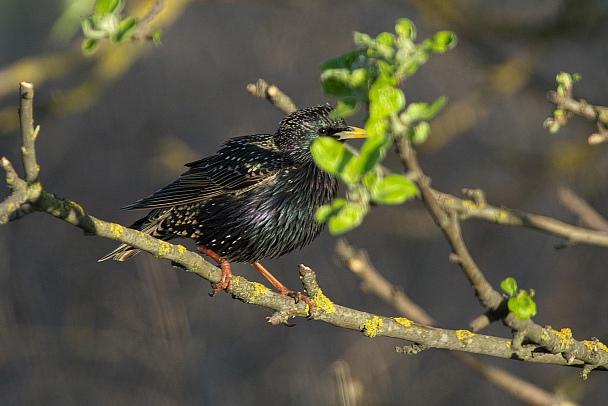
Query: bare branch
[[587, 214], [581, 108], [28, 133], [359, 263], [32, 196], [556, 342], [474, 209], [142, 27], [273, 94]]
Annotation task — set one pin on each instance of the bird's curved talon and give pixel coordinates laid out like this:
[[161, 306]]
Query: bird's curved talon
[[225, 283], [299, 296]]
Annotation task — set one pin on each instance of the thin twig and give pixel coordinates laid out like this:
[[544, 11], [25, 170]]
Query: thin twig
[[581, 108], [556, 342], [471, 209], [273, 94], [142, 27], [359, 263], [28, 134], [577, 205]]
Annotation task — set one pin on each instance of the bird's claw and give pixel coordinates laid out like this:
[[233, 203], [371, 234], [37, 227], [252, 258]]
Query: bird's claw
[[225, 283], [299, 296]]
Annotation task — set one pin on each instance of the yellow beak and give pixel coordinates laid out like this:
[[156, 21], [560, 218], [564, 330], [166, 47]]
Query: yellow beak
[[352, 132]]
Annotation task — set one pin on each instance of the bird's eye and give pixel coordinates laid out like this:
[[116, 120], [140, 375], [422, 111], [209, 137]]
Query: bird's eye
[[323, 131]]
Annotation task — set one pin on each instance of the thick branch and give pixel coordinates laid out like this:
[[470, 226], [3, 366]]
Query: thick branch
[[359, 263], [450, 227], [556, 342], [31, 195]]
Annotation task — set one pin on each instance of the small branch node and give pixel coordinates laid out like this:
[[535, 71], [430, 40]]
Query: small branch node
[[478, 196], [455, 258], [411, 349], [280, 317]]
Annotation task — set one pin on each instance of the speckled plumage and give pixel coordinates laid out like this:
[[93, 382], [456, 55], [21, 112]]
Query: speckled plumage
[[255, 198]]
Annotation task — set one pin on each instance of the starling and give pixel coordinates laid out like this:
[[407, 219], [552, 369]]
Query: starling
[[255, 198]]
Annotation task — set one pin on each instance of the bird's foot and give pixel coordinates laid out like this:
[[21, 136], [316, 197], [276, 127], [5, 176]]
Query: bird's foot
[[225, 282], [298, 296]]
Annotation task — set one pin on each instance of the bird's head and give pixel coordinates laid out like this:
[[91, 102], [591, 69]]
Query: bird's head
[[298, 130]]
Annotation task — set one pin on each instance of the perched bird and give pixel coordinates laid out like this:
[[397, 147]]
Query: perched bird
[[255, 198]]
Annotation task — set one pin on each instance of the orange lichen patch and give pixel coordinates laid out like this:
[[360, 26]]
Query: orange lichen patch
[[469, 205], [164, 249], [465, 337], [403, 321], [595, 345], [564, 336], [500, 216], [323, 303], [372, 327], [116, 230]]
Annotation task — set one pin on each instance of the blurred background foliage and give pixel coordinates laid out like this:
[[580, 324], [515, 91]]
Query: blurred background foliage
[[119, 124]]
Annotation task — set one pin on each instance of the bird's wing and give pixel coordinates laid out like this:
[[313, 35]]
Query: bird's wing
[[240, 164]]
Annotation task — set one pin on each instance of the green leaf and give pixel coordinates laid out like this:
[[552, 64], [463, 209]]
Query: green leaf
[[346, 107], [385, 99], [372, 152], [394, 189], [89, 31], [157, 37], [349, 217], [126, 28], [89, 46], [376, 127], [422, 111], [386, 38], [350, 60], [351, 172], [441, 42], [330, 155], [434, 108], [337, 82], [509, 286], [522, 305], [420, 132], [327, 211], [359, 78], [108, 6], [363, 40], [372, 179], [405, 28]]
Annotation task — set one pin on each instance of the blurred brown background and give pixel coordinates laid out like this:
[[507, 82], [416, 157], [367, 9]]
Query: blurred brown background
[[74, 331]]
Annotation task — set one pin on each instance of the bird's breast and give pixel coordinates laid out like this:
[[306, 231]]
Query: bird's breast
[[269, 220]]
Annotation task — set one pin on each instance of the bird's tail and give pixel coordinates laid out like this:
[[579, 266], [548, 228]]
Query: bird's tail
[[122, 253], [151, 224]]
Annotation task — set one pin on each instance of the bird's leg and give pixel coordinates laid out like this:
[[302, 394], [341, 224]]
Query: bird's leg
[[225, 282], [283, 289]]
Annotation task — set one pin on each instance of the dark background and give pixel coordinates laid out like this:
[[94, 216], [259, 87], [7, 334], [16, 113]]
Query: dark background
[[74, 331]]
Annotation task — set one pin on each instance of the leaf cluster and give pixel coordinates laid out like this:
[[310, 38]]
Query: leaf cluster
[[521, 302], [371, 76], [107, 22], [559, 118]]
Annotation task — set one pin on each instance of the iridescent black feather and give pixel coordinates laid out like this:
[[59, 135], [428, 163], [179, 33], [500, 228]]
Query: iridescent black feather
[[255, 198]]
